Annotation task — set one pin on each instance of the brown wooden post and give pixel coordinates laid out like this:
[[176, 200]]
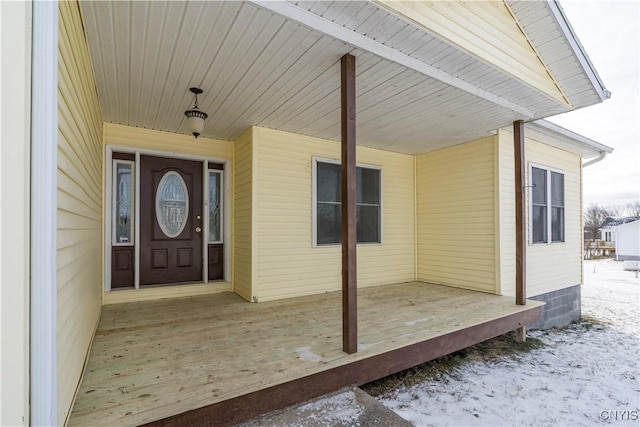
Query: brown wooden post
[[521, 231], [349, 280]]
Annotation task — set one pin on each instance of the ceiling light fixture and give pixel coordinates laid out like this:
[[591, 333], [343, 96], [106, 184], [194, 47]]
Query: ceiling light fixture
[[195, 117]]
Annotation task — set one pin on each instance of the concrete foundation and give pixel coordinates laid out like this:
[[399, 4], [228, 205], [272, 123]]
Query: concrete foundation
[[562, 307]]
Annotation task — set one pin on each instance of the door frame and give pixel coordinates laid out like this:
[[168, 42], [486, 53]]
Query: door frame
[[108, 206]]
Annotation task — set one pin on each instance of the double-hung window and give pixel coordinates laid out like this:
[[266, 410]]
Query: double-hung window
[[328, 203], [547, 205]]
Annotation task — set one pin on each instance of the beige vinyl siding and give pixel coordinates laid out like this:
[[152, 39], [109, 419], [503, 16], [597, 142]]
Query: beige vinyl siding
[[556, 265], [243, 220], [550, 266], [485, 29], [456, 216], [286, 263], [146, 139], [79, 205], [507, 213]]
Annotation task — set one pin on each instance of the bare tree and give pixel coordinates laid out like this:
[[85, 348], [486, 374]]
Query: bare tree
[[594, 216], [615, 211], [633, 209]]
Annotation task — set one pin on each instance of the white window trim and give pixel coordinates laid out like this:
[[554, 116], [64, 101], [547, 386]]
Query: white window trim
[[314, 191], [548, 238]]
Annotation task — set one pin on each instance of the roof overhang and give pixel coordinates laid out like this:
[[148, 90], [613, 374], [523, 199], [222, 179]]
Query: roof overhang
[[276, 65], [564, 139]]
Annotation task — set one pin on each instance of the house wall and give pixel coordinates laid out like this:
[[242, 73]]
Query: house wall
[[487, 30], [79, 212], [552, 266], [628, 241], [507, 212], [243, 201], [15, 105], [285, 262], [457, 215]]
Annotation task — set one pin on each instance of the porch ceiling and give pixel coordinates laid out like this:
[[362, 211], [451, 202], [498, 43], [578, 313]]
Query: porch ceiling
[[258, 67]]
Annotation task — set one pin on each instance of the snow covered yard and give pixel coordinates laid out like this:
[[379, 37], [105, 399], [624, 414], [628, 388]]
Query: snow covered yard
[[587, 374]]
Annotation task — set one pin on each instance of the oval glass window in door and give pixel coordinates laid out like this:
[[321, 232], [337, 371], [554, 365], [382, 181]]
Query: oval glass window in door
[[172, 204]]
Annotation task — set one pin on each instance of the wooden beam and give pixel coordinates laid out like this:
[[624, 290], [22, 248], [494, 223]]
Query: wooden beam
[[349, 226], [521, 231], [251, 405]]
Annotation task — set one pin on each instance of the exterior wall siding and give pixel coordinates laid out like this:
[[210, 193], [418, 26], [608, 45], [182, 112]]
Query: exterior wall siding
[[507, 213], [627, 238], [286, 263], [79, 205], [457, 215], [243, 215], [549, 266], [487, 30], [145, 139]]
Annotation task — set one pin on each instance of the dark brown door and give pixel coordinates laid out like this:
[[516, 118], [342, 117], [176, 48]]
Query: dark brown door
[[170, 220]]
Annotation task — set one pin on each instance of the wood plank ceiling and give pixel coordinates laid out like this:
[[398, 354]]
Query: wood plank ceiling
[[258, 68]]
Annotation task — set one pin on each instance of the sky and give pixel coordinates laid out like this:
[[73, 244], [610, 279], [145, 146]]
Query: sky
[[608, 31]]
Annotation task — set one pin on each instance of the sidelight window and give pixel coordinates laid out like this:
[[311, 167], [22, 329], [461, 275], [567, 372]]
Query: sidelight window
[[123, 200]]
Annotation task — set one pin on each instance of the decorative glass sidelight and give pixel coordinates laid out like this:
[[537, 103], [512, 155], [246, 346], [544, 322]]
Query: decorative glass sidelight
[[215, 206], [172, 204], [123, 185]]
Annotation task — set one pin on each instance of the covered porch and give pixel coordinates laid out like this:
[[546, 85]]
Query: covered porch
[[219, 359]]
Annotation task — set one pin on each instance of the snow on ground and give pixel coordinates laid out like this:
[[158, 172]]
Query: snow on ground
[[585, 375]]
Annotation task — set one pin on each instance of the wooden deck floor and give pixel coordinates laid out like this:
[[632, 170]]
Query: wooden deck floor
[[154, 359]]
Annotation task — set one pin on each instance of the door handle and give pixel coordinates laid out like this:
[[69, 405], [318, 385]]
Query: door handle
[[198, 229]]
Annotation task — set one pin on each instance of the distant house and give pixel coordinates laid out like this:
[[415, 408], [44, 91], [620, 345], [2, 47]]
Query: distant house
[[375, 186], [624, 235]]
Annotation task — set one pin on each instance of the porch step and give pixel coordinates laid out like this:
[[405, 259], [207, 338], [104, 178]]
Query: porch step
[[344, 408]]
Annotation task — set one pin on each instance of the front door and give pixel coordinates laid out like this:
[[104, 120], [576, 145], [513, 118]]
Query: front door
[[170, 220]]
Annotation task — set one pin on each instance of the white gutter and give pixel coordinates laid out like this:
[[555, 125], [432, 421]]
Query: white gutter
[[602, 155]]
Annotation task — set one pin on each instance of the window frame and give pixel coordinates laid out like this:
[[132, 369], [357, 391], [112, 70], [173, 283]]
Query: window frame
[[314, 207], [549, 205]]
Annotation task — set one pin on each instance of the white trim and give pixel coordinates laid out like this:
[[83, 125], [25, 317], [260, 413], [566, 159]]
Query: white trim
[[314, 219], [581, 55], [226, 172], [338, 32], [548, 237], [44, 161]]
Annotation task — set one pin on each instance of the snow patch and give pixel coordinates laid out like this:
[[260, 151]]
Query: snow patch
[[586, 375]]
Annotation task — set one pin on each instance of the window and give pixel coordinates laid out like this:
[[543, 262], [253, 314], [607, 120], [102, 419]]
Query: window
[[122, 205], [215, 206], [328, 204], [547, 206]]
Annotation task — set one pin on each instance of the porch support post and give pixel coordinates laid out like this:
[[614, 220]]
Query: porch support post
[[521, 231], [349, 280]]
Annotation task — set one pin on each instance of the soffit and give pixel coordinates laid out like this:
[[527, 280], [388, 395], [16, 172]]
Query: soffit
[[543, 22], [258, 68]]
